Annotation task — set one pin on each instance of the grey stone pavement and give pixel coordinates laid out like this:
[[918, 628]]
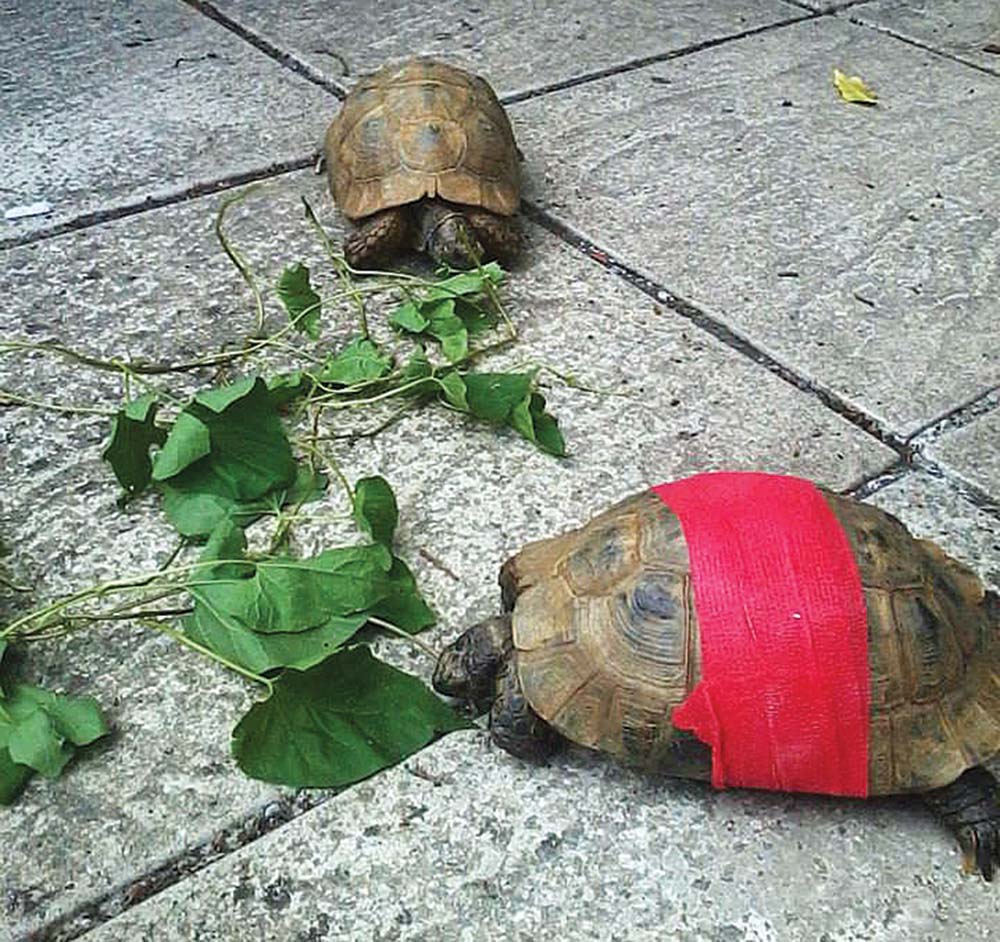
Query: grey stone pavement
[[765, 276]]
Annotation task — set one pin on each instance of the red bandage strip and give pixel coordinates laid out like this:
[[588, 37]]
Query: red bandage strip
[[783, 699]]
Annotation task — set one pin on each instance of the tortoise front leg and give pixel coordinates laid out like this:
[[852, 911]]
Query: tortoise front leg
[[379, 236], [514, 726], [500, 236], [970, 806]]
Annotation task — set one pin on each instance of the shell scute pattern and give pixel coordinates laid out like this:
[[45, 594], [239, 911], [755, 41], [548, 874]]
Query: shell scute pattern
[[420, 129], [606, 643]]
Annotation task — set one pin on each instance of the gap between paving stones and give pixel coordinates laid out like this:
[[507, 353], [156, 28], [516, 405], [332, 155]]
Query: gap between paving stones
[[926, 47], [281, 56], [719, 330], [289, 60], [196, 190], [965, 414]]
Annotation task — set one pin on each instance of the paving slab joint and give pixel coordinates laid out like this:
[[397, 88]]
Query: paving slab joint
[[282, 56], [720, 331], [99, 216], [95, 912], [972, 492], [631, 65], [944, 54], [980, 405]]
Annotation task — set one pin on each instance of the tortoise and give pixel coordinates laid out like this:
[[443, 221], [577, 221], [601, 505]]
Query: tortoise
[[422, 155], [598, 643]]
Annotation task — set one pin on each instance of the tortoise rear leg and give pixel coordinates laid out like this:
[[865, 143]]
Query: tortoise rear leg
[[379, 236], [970, 806], [514, 726], [500, 236]]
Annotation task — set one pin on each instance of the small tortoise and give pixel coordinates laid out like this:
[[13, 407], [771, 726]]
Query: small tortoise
[[422, 155], [600, 642]]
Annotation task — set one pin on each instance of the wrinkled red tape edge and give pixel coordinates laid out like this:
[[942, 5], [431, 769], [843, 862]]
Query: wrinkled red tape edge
[[783, 700]]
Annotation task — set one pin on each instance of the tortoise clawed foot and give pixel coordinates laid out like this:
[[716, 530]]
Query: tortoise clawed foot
[[980, 845], [970, 806]]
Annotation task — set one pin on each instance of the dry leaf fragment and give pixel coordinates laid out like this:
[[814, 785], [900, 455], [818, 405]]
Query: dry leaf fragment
[[853, 88]]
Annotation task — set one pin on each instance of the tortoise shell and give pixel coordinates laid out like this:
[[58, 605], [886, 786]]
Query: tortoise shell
[[606, 643], [422, 129]]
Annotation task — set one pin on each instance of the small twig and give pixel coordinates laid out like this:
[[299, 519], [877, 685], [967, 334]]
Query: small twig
[[437, 563], [130, 615], [122, 366]]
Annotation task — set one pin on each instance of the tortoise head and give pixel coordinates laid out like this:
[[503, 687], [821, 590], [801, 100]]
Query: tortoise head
[[445, 235], [468, 667]]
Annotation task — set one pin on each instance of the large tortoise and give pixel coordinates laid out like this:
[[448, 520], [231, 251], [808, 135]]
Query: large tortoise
[[599, 644], [422, 155]]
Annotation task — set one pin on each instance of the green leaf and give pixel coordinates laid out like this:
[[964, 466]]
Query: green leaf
[[228, 633], [284, 387], [133, 433], [408, 317], [505, 398], [467, 282], [77, 719], [39, 729], [293, 613], [13, 777], [418, 368], [290, 595], [196, 514], [436, 319], [375, 509], [359, 362], [453, 387], [301, 302], [535, 424], [226, 452], [493, 396], [339, 722], [189, 440], [401, 602], [264, 652], [34, 742]]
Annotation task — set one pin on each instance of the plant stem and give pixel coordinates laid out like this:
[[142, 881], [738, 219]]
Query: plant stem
[[341, 267], [241, 265], [182, 638], [13, 399], [413, 639]]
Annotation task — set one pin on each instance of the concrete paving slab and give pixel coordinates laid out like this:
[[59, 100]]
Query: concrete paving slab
[[847, 241], [110, 104], [965, 30], [464, 842], [156, 286], [974, 451], [517, 49]]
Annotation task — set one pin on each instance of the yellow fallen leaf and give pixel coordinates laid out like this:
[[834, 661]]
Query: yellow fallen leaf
[[853, 88]]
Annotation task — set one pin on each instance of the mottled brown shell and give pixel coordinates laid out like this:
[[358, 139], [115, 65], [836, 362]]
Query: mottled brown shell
[[420, 129], [606, 643]]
